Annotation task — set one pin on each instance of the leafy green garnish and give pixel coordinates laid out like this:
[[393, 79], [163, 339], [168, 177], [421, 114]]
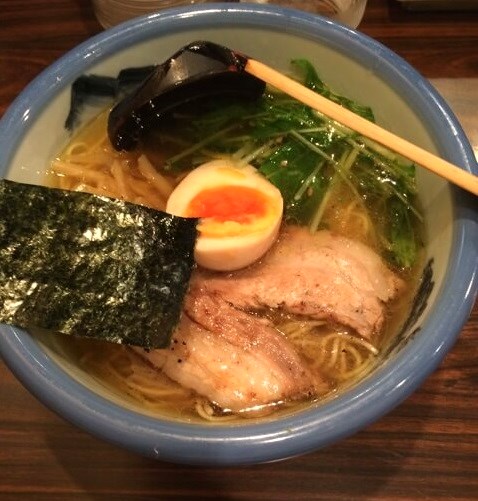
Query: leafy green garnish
[[310, 158], [403, 242], [311, 79]]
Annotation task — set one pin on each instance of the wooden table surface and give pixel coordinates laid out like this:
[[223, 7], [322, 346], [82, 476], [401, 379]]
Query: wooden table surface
[[426, 449]]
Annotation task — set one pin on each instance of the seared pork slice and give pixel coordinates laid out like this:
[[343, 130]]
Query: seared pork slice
[[322, 276], [236, 360]]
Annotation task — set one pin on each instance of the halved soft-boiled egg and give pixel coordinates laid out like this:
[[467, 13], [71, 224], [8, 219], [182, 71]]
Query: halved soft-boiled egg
[[240, 213]]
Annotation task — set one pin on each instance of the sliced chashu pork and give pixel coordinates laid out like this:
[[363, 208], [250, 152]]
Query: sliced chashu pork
[[321, 276], [237, 360]]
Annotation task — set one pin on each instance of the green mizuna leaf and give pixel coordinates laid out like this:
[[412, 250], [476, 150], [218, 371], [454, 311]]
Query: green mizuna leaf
[[309, 157]]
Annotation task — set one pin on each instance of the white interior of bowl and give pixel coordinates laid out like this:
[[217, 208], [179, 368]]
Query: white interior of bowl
[[47, 134]]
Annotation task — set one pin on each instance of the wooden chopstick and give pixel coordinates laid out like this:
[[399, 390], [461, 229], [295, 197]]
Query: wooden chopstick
[[435, 164]]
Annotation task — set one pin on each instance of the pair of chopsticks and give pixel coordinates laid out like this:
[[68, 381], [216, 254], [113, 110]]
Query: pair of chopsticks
[[368, 129]]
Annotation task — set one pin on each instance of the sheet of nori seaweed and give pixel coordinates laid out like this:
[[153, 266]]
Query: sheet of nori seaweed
[[92, 266]]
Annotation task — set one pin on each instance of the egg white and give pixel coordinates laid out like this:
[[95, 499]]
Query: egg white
[[227, 245]]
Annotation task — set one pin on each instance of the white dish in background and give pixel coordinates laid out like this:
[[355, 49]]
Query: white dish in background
[[440, 4], [112, 12], [349, 12]]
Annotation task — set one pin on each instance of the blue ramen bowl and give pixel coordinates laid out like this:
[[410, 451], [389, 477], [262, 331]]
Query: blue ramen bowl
[[353, 65]]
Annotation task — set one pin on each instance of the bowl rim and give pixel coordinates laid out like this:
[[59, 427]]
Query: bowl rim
[[310, 429]]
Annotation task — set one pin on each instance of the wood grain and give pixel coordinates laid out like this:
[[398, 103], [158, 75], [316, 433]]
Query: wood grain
[[426, 449]]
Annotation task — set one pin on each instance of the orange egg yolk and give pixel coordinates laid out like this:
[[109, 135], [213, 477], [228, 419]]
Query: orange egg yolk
[[229, 203]]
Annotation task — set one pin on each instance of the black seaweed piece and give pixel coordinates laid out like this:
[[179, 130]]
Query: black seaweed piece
[[132, 77], [92, 266], [198, 71], [87, 88], [419, 304], [420, 300]]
